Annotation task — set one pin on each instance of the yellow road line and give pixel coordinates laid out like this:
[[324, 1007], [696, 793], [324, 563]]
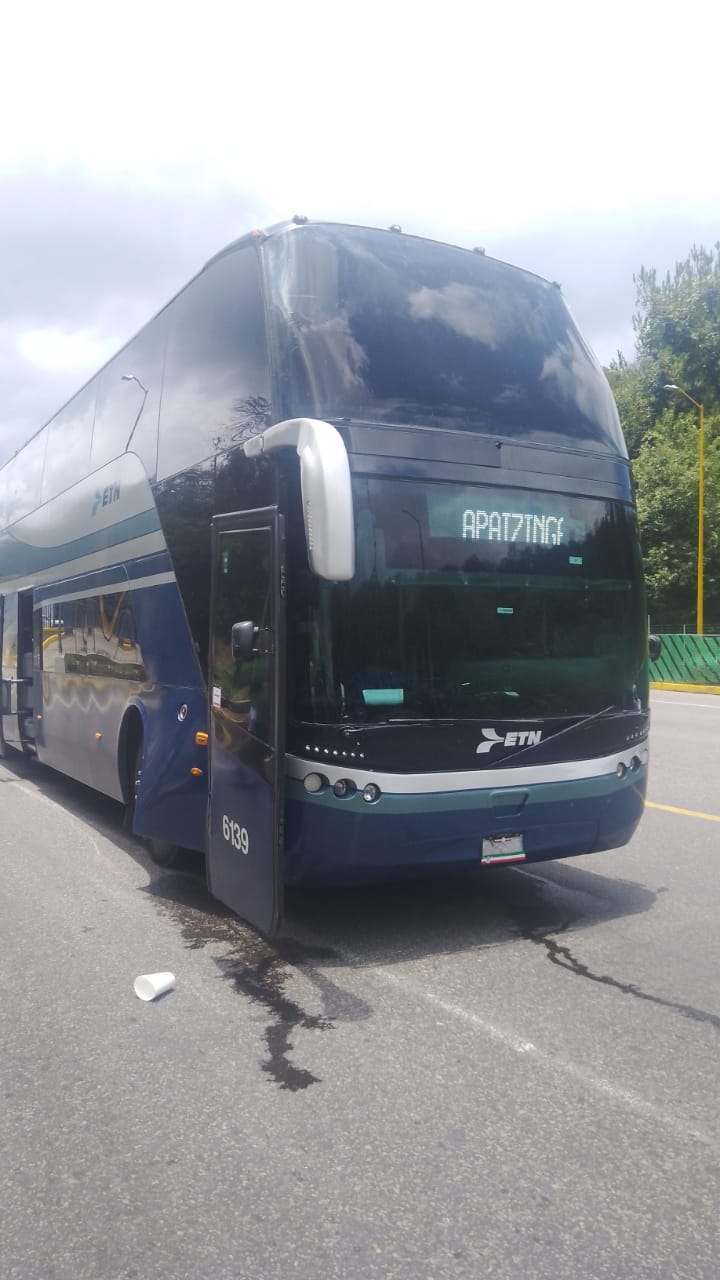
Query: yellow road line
[[687, 813]]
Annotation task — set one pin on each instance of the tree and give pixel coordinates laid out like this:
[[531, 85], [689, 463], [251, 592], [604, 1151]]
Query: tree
[[677, 327], [678, 323], [634, 387]]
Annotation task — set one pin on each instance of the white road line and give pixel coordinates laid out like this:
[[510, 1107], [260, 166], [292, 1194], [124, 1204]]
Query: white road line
[[515, 1043], [686, 702], [624, 1097], [530, 875]]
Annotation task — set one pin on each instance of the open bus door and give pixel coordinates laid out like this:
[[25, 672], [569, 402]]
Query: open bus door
[[246, 683], [3, 688], [16, 675]]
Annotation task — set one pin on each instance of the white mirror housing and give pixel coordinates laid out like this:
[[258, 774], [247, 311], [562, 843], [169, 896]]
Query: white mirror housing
[[326, 491]]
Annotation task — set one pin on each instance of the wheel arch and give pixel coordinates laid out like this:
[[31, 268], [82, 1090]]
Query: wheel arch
[[130, 740]]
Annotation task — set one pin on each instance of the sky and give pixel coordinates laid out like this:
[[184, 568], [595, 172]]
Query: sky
[[578, 141]]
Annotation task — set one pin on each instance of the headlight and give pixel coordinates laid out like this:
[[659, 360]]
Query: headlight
[[313, 782]]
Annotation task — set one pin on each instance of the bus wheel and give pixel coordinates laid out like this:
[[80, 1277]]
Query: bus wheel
[[135, 773], [162, 852]]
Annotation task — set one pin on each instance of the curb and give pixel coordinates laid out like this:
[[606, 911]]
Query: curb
[[685, 688]]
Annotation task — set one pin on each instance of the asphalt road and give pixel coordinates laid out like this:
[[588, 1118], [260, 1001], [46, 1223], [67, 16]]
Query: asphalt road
[[512, 1074]]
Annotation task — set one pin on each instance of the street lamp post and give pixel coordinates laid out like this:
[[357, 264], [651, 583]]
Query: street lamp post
[[671, 386], [130, 377]]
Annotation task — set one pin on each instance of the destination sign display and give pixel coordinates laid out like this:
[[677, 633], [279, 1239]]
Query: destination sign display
[[514, 516], [513, 526]]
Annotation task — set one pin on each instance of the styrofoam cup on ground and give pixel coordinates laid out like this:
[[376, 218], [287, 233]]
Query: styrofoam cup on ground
[[151, 985]]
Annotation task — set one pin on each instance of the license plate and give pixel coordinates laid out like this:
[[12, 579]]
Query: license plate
[[496, 849]]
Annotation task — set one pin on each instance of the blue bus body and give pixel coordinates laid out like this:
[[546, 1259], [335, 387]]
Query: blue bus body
[[472, 689]]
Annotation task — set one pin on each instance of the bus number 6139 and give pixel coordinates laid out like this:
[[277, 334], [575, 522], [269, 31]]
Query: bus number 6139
[[235, 834]]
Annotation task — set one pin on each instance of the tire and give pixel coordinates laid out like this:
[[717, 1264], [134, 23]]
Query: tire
[[135, 773], [162, 852]]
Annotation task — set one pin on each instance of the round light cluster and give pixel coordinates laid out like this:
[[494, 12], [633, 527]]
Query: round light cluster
[[632, 766], [343, 788]]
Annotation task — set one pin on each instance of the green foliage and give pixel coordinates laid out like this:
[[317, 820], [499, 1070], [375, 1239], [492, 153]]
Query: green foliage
[[678, 323], [677, 327], [634, 388]]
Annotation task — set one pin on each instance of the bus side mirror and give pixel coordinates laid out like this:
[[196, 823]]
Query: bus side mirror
[[243, 640], [654, 648], [326, 491]]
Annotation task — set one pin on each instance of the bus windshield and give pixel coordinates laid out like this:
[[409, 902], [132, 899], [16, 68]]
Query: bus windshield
[[470, 602], [375, 326]]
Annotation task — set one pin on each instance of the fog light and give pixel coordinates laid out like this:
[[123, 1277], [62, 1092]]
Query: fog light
[[635, 764], [314, 782], [621, 770], [344, 787], [371, 793]]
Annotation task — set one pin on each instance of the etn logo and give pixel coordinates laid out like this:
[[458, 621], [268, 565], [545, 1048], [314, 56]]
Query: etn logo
[[105, 497], [514, 738]]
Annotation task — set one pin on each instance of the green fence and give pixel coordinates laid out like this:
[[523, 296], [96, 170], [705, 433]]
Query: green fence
[[688, 659]]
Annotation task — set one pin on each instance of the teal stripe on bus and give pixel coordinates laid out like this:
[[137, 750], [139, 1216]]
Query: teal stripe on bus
[[18, 558]]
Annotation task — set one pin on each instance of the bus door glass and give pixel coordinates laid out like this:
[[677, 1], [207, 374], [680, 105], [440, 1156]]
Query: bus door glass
[[247, 715], [16, 692], [3, 687]]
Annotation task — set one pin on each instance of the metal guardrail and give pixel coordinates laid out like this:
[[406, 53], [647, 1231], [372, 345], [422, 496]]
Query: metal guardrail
[[688, 660]]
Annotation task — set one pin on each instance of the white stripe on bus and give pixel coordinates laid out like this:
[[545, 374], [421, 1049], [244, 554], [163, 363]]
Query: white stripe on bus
[[402, 784], [107, 558]]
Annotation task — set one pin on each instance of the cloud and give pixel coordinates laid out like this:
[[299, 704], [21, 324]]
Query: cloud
[[595, 258], [84, 263], [86, 260], [54, 349]]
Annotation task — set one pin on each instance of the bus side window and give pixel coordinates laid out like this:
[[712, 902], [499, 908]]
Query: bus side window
[[38, 639], [128, 403], [67, 614], [81, 627], [67, 457], [216, 388], [22, 477], [53, 637]]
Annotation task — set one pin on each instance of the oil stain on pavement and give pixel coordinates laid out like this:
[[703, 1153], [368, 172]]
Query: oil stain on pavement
[[261, 970]]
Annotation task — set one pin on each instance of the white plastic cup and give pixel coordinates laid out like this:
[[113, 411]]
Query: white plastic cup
[[151, 985]]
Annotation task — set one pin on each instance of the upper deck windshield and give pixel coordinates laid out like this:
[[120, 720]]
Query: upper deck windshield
[[470, 602], [381, 327]]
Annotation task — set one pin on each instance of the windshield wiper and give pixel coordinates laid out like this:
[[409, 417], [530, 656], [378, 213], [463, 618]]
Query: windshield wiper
[[397, 722], [613, 709], [490, 693]]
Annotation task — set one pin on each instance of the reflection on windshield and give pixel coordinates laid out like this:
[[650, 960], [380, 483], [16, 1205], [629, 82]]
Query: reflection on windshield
[[471, 602], [381, 327]]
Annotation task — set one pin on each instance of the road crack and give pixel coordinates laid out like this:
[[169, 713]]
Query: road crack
[[562, 956]]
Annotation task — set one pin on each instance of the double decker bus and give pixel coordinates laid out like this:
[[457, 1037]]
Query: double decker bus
[[332, 573]]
